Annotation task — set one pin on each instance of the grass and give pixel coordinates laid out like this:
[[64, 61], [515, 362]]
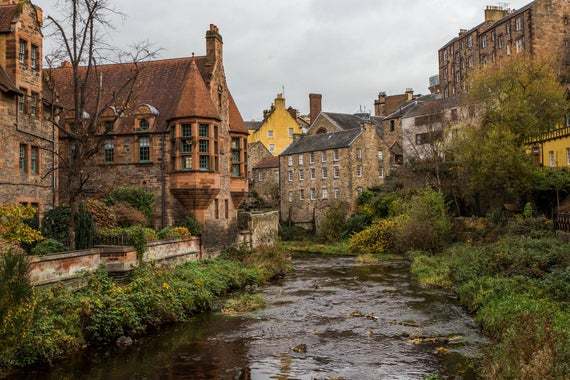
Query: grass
[[243, 303], [368, 259], [311, 247], [52, 324]]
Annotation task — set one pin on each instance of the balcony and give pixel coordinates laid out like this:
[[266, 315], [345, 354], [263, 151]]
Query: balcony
[[238, 189], [194, 189]]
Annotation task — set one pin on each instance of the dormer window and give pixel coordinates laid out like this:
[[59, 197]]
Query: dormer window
[[143, 124]]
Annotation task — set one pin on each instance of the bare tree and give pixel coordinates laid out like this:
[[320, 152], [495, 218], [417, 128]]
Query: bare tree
[[79, 31]]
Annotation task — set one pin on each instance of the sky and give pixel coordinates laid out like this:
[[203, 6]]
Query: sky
[[346, 50]]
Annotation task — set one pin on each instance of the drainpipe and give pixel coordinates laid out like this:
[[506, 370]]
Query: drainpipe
[[162, 182]]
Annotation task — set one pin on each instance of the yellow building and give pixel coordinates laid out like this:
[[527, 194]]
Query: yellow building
[[551, 149], [278, 127]]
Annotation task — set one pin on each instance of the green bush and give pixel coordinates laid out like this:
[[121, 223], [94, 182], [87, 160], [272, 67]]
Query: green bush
[[294, 233], [14, 281], [56, 222], [169, 233], [139, 198], [48, 246], [530, 227], [192, 224], [137, 236], [333, 222], [376, 239], [356, 223]]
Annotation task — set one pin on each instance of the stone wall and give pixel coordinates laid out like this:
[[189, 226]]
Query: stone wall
[[69, 267], [258, 228]]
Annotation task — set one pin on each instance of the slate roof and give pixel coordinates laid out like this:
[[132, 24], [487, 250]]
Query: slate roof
[[268, 163], [6, 83], [320, 142], [344, 121], [412, 106], [7, 15], [253, 125], [175, 87]]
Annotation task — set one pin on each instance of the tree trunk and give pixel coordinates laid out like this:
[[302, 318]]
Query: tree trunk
[[72, 227]]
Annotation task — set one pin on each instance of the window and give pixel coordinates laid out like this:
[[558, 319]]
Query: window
[[313, 173], [291, 132], [109, 126], [325, 193], [143, 124], [301, 159], [204, 147], [34, 104], [186, 130], [336, 171], [204, 163], [519, 45], [35, 160], [381, 164], [454, 114], [186, 146], [568, 156], [509, 28], [290, 160], [484, 41], [236, 157], [270, 133], [501, 42], [302, 194], [325, 173], [336, 155], [552, 159], [336, 193], [227, 208], [428, 137], [324, 156], [35, 57], [22, 102], [109, 151], [260, 176], [392, 125], [301, 175], [23, 52], [204, 130], [359, 190], [359, 171], [312, 158], [271, 148], [290, 196], [23, 158], [519, 24], [313, 194], [290, 175], [144, 149], [217, 208], [470, 41]]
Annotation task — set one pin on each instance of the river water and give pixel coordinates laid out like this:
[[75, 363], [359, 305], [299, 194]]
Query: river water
[[356, 321]]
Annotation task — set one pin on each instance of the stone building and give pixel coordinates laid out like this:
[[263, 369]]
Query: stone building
[[278, 128], [322, 168], [29, 140], [185, 139], [256, 152], [541, 28], [264, 180]]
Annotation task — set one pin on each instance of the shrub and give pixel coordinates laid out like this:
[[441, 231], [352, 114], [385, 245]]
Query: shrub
[[128, 216], [192, 225], [431, 271], [531, 227], [56, 223], [103, 215], [424, 224], [139, 198], [355, 224], [376, 239], [333, 222], [137, 236], [13, 226], [48, 246], [293, 233], [14, 281], [173, 233]]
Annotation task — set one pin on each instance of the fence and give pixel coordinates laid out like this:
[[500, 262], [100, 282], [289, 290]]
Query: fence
[[562, 222]]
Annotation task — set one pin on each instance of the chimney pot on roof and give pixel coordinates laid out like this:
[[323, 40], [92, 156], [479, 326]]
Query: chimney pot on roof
[[214, 44], [380, 105], [494, 13], [410, 93], [315, 106]]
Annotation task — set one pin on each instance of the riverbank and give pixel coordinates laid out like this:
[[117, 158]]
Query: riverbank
[[304, 247], [55, 323]]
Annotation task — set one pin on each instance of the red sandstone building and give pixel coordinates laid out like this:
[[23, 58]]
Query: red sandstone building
[[184, 140], [29, 140], [541, 28]]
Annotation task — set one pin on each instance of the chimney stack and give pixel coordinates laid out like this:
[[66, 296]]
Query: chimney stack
[[410, 93], [214, 45], [494, 13], [315, 106], [380, 105]]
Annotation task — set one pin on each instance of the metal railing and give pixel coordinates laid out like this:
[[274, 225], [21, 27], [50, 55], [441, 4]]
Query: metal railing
[[562, 222], [550, 135]]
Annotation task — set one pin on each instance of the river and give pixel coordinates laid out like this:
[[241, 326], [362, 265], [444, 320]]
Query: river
[[331, 318]]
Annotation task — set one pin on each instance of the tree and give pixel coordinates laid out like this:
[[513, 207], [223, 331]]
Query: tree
[[552, 180], [79, 32], [521, 94]]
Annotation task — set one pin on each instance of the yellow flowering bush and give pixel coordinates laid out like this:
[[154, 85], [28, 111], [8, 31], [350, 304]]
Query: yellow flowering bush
[[13, 228], [378, 238]]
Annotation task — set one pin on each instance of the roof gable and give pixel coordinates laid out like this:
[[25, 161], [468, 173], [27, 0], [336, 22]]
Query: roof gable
[[194, 98]]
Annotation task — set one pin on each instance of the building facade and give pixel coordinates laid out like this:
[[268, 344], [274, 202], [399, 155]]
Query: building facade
[[278, 128], [265, 181], [184, 140], [29, 140], [540, 29], [317, 170], [551, 149]]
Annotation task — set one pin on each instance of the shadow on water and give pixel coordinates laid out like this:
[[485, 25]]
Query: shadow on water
[[356, 321]]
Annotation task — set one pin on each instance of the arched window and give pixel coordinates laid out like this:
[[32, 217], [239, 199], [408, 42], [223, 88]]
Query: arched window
[[143, 124]]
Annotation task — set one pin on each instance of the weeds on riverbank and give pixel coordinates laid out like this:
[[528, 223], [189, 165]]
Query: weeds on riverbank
[[243, 303], [57, 322], [310, 247]]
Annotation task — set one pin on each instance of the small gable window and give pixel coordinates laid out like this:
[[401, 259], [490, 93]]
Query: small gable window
[[143, 124]]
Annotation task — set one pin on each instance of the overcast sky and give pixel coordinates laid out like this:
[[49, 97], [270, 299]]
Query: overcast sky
[[348, 50]]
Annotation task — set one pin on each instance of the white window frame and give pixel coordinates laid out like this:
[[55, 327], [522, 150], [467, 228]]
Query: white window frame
[[290, 175], [290, 160], [336, 171], [259, 176], [313, 194], [301, 159], [552, 159], [519, 24], [302, 194], [336, 155], [359, 154], [312, 158], [336, 193], [324, 193], [325, 172], [359, 170], [313, 173], [568, 156], [290, 196], [301, 174], [324, 156]]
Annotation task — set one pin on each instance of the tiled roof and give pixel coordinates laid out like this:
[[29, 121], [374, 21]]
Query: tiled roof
[[175, 87], [268, 163], [253, 125], [6, 83], [7, 15], [327, 141]]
